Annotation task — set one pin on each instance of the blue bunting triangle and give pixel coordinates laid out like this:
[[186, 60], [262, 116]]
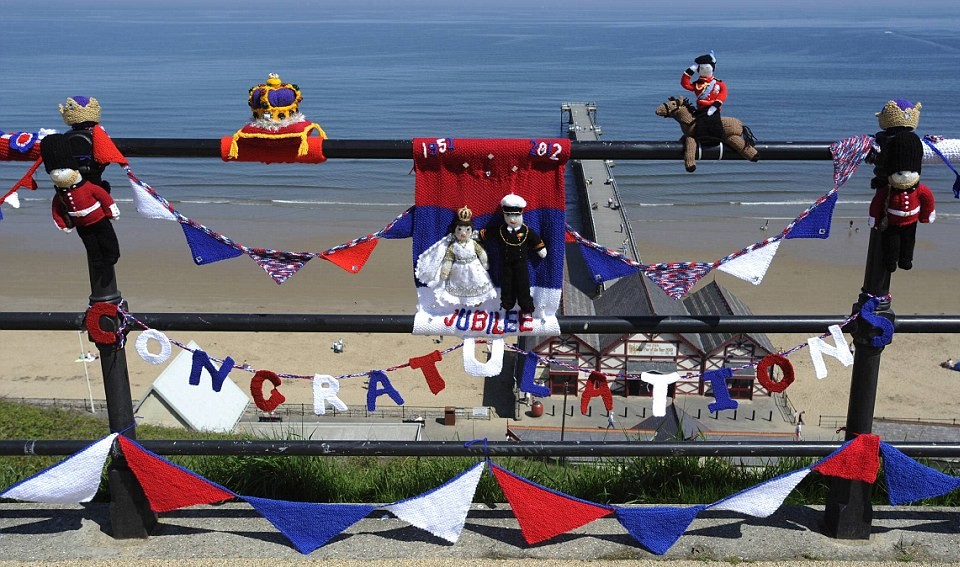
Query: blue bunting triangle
[[657, 528], [909, 481], [605, 267], [401, 228], [309, 525], [205, 248], [817, 223]]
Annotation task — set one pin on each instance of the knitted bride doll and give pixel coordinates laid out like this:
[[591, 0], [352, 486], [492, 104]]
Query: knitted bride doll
[[455, 268]]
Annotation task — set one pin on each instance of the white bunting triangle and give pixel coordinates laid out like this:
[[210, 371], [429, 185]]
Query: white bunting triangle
[[443, 510], [763, 499], [13, 200], [753, 265], [71, 481], [148, 205]]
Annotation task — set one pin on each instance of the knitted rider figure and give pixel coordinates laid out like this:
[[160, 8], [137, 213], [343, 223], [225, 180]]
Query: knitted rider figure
[[899, 205], [711, 93], [82, 114], [80, 204], [516, 241]]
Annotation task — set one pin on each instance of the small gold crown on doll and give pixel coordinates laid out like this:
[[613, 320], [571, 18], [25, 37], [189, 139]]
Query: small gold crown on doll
[[80, 109], [274, 100], [465, 214]]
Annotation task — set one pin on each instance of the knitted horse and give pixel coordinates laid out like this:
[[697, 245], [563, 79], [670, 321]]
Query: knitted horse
[[735, 134]]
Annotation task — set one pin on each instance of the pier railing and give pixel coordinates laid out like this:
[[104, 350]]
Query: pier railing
[[848, 509]]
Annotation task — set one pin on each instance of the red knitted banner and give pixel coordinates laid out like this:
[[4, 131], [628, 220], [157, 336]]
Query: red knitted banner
[[351, 259], [860, 460]]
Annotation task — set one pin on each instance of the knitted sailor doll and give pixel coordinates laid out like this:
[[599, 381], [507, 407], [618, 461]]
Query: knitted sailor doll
[[82, 114], [456, 266], [711, 93], [902, 202], [80, 204], [516, 241]]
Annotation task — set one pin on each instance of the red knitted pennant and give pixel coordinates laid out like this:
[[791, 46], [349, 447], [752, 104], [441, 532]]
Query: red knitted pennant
[[542, 513], [104, 150], [353, 257], [860, 460], [167, 486]]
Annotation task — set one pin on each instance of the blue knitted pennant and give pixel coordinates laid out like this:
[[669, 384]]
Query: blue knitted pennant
[[909, 481], [657, 528], [401, 228], [817, 223], [308, 525], [604, 266], [205, 248]]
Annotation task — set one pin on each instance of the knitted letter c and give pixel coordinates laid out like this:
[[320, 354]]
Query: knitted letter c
[[763, 373], [96, 311], [256, 390]]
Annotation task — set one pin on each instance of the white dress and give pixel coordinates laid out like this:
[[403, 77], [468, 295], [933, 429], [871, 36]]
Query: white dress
[[469, 282]]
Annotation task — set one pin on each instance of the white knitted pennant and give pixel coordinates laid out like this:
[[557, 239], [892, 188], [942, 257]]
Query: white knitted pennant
[[148, 205], [753, 265], [762, 499], [70, 481], [443, 510], [13, 200], [474, 367]]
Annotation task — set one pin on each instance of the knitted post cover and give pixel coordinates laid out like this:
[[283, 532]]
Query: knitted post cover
[[657, 528], [858, 459], [752, 265], [169, 486], [443, 510], [909, 481], [71, 481], [308, 525], [763, 499], [544, 513], [816, 223], [478, 174]]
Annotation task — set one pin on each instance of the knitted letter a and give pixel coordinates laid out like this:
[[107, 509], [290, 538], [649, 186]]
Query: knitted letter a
[[596, 386], [375, 390]]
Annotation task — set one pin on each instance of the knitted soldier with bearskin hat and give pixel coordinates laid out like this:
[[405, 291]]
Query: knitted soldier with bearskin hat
[[80, 204], [516, 241], [82, 114]]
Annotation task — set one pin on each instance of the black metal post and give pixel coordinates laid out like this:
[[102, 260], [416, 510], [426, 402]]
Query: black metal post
[[849, 512], [130, 513]]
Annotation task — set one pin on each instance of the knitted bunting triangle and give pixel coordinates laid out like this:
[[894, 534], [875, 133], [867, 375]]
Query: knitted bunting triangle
[[11, 199], [149, 206], [308, 525], [402, 227], [169, 486], [71, 481], [279, 265], [848, 154], [207, 249], [763, 499], [604, 265], [753, 265], [353, 257], [657, 528], [443, 510], [909, 481], [816, 223], [858, 459], [676, 278], [104, 150], [544, 513]]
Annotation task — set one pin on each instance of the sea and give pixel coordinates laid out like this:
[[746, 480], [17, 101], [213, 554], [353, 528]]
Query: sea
[[381, 69]]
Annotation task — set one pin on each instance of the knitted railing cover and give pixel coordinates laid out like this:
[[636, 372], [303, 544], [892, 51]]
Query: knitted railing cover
[[453, 173]]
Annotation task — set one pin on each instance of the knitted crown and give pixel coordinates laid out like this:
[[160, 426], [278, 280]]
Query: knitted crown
[[899, 112], [80, 109], [274, 100], [465, 214]]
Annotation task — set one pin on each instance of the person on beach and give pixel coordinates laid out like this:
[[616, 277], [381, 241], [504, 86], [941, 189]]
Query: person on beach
[[611, 423], [455, 268], [949, 364]]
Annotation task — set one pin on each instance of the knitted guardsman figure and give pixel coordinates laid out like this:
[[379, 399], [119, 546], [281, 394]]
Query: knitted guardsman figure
[[82, 114], [711, 93], [516, 241], [902, 201], [899, 116], [79, 203]]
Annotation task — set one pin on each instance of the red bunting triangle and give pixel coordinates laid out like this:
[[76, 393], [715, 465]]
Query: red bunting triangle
[[167, 486], [352, 258], [858, 460], [543, 513], [104, 150]]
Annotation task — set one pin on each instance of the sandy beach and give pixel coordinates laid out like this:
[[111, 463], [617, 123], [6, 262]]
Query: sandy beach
[[156, 274]]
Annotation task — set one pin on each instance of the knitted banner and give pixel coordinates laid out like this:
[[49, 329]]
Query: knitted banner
[[308, 525], [443, 510], [858, 459], [909, 481], [657, 528], [763, 499], [478, 174], [74, 480]]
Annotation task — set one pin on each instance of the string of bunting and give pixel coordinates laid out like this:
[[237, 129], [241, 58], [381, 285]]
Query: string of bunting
[[541, 512]]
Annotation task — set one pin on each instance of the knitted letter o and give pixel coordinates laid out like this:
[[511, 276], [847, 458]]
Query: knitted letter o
[[256, 390], [763, 373], [145, 354], [92, 321]]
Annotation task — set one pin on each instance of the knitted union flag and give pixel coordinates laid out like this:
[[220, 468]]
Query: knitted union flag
[[478, 174]]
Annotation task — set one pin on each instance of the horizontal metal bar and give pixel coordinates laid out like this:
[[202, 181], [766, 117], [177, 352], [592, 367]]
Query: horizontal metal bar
[[403, 149], [492, 448], [274, 322]]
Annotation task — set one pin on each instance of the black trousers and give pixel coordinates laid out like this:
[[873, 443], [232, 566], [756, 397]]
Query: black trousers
[[101, 243], [515, 286], [898, 243]]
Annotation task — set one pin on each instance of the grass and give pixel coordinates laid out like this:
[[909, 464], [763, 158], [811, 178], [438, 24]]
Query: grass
[[648, 480]]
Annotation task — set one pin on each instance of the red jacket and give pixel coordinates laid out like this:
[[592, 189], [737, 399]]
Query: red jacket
[[83, 205], [905, 207], [717, 93]]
